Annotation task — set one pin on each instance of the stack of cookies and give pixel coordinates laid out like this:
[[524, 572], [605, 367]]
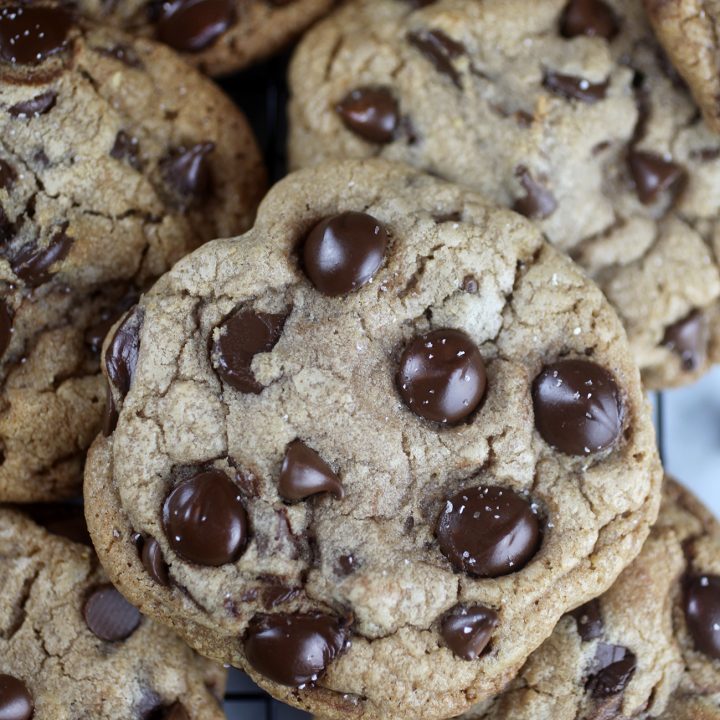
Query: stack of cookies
[[379, 437]]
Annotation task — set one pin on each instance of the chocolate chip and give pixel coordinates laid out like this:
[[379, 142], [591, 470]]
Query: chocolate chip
[[30, 34], [578, 408], [188, 173], [205, 520], [122, 353], [370, 112], [111, 417], [109, 615], [467, 629], [16, 703], [153, 561], [294, 649], [122, 53], [8, 175], [488, 531], [346, 565], [589, 17], [574, 88], [343, 252], [35, 106], [194, 25], [613, 669], [440, 50], [688, 338], [126, 148], [589, 621], [32, 264], [470, 284], [305, 473], [6, 328], [442, 376], [538, 202], [278, 594], [238, 339], [702, 613], [654, 175]]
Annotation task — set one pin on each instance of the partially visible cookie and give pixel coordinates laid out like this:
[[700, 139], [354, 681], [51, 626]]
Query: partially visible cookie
[[115, 161], [72, 647], [388, 410]]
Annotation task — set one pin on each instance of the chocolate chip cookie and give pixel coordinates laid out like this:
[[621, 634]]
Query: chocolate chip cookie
[[115, 161], [565, 110], [648, 648], [386, 414], [72, 647]]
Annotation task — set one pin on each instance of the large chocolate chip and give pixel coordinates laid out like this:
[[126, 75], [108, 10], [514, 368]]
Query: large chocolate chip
[[442, 376], [467, 629], [578, 408], [126, 148], [109, 615], [205, 520], [294, 649], [8, 175], [122, 353], [32, 264], [343, 252], [370, 112], [188, 173], [35, 106], [589, 621], [194, 25], [574, 88], [5, 327], [16, 703], [702, 613], [654, 175], [440, 50], [613, 669], [152, 559], [594, 18], [305, 473], [238, 340], [538, 202], [488, 531], [31, 33], [688, 338]]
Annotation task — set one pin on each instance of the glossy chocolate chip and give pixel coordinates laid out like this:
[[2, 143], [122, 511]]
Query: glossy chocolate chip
[[593, 18], [467, 630], [578, 408], [343, 252], [294, 649], [30, 34], [16, 703], [305, 473], [6, 328], [440, 50], [8, 175], [538, 203], [702, 613], [488, 531], [194, 25], [613, 669], [32, 263], [205, 520], [442, 376], [122, 352], [574, 88], [238, 340], [588, 619], [109, 615], [370, 112], [188, 173], [35, 106], [688, 338], [126, 148], [153, 561], [654, 176], [111, 416]]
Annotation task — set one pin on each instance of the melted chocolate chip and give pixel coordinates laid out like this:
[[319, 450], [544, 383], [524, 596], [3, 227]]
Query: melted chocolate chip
[[467, 629], [16, 703], [343, 252], [126, 148], [109, 615], [654, 175], [346, 565], [153, 561], [294, 649], [593, 18], [688, 338], [278, 594], [440, 50], [205, 520], [442, 376], [8, 175], [305, 473], [32, 264], [488, 531], [470, 284], [614, 668], [6, 328], [578, 408], [238, 339], [589, 621], [574, 88], [188, 173], [30, 34], [194, 25], [538, 202], [111, 417], [702, 613], [122, 353], [370, 112], [35, 106]]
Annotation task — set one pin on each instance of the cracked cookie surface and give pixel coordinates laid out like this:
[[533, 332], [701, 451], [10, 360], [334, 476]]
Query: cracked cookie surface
[[566, 111], [115, 161], [327, 429], [71, 647]]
